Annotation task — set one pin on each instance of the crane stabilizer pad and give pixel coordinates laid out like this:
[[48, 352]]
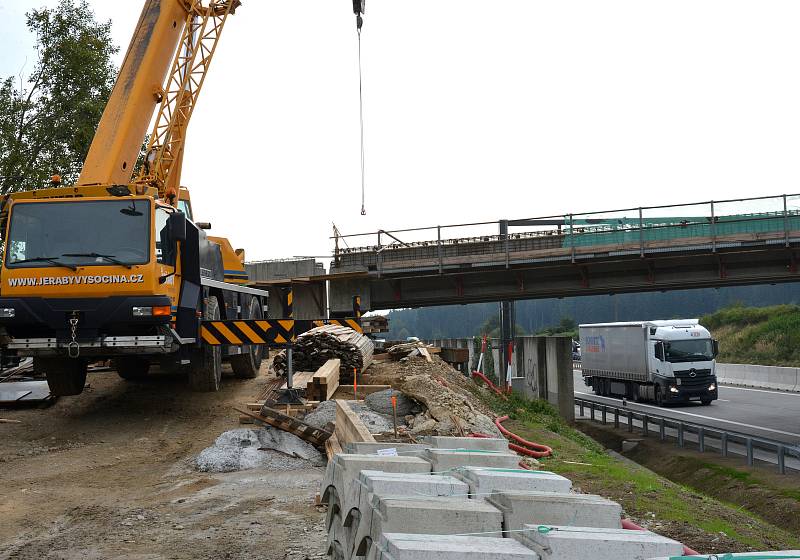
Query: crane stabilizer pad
[[247, 331]]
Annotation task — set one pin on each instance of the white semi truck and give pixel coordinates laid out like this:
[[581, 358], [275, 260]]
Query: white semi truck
[[661, 361]]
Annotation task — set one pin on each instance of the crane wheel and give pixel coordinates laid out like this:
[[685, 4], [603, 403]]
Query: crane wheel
[[246, 366], [65, 376], [131, 368], [205, 374]]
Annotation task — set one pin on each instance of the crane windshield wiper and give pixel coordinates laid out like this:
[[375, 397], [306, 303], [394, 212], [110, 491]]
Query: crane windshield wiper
[[109, 258], [52, 260]]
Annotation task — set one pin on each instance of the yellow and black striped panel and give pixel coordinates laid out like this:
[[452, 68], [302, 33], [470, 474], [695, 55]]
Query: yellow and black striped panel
[[354, 324], [247, 331]]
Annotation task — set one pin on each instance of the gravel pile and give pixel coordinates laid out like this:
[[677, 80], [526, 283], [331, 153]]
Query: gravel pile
[[268, 448], [376, 423]]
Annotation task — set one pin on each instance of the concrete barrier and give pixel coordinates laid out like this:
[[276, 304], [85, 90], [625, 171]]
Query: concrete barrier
[[550, 508], [579, 543], [483, 482], [766, 377]]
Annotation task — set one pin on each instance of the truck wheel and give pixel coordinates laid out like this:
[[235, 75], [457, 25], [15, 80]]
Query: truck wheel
[[246, 366], [131, 368], [205, 374], [659, 396], [65, 376]]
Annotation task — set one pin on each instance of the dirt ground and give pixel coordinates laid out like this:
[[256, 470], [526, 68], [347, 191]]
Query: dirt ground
[[109, 474]]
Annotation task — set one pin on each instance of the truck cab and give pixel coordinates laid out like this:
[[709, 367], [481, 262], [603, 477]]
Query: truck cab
[[682, 362]]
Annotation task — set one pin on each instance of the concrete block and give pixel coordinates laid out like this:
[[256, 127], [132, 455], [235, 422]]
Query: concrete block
[[744, 555], [485, 444], [339, 489], [442, 460], [427, 516], [403, 546], [550, 508], [372, 448], [397, 485], [483, 482], [557, 542]]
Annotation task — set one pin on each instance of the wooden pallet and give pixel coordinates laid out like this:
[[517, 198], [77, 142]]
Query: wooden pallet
[[313, 435]]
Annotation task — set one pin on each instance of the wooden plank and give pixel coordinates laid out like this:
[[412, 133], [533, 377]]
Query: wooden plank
[[332, 447], [300, 380], [277, 419], [425, 354], [346, 391], [349, 427]]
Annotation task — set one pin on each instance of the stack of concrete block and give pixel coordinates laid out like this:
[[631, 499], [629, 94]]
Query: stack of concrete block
[[456, 498]]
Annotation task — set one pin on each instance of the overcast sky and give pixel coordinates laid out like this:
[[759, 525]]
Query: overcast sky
[[476, 110]]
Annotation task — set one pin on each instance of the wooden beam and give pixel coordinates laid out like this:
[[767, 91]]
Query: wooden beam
[[325, 381], [349, 427], [332, 447]]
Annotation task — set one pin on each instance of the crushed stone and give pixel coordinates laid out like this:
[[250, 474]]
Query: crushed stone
[[376, 423], [246, 448]]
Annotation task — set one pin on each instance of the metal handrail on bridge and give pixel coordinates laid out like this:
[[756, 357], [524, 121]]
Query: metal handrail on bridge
[[725, 437], [587, 229]]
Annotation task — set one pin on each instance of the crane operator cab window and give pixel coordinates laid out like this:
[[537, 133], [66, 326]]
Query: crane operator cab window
[[64, 233], [165, 245]]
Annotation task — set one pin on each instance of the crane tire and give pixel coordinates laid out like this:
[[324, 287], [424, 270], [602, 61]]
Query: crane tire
[[205, 374], [65, 376], [131, 368], [246, 366]]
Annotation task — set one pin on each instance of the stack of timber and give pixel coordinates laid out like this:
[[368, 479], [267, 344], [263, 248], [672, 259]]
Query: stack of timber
[[325, 381], [315, 347]]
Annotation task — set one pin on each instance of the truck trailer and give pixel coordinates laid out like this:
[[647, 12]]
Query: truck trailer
[[662, 361]]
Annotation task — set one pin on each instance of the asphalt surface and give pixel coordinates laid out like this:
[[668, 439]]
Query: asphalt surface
[[758, 412]]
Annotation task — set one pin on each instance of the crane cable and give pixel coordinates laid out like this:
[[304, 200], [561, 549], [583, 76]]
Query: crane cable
[[358, 8]]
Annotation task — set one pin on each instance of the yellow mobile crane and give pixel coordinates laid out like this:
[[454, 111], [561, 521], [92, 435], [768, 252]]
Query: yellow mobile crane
[[115, 267]]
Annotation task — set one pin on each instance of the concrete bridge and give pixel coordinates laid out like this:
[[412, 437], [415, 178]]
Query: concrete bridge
[[710, 244]]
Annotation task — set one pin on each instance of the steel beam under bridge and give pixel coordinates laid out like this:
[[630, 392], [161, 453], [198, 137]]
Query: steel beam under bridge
[[580, 273]]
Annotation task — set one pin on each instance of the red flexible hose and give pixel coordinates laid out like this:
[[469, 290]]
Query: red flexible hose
[[628, 524], [534, 449], [490, 384]]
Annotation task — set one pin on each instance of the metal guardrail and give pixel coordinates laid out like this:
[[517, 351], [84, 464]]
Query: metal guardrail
[[682, 428]]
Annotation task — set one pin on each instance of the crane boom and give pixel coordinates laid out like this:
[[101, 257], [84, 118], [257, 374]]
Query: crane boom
[[139, 86], [175, 36]]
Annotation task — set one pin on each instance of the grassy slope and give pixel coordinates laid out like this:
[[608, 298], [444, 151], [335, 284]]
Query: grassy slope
[[757, 335], [701, 522]]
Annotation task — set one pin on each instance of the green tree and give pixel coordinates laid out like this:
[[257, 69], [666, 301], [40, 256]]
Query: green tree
[[48, 122]]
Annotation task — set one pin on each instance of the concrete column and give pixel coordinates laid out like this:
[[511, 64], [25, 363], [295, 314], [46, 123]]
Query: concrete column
[[560, 386]]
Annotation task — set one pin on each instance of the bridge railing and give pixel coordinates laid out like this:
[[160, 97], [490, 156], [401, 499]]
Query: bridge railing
[[714, 223]]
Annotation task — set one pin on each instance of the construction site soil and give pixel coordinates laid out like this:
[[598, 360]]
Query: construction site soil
[[111, 474]]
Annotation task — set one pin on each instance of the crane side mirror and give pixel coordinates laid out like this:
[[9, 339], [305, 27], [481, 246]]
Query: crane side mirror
[[177, 226], [660, 351], [203, 225]]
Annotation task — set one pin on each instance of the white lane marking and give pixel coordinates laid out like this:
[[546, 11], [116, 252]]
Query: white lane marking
[[707, 417], [775, 392]]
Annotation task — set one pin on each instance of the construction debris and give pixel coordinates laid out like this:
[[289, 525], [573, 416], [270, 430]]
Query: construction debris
[[315, 347], [312, 434]]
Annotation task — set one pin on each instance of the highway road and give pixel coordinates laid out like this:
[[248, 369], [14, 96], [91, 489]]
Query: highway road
[[758, 412]]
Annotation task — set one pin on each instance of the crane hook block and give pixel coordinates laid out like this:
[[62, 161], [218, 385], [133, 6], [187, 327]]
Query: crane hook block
[[358, 6]]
